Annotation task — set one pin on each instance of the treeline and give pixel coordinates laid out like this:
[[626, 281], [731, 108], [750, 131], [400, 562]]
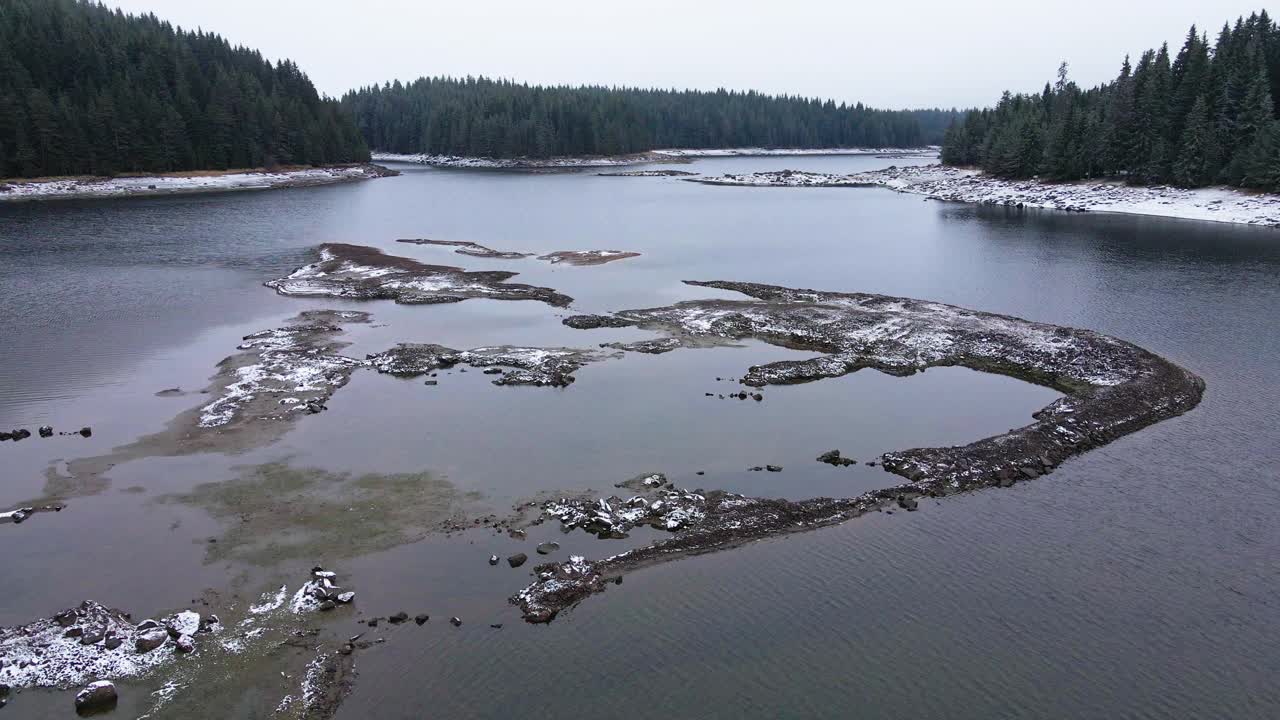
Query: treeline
[[499, 118], [85, 90], [1206, 116]]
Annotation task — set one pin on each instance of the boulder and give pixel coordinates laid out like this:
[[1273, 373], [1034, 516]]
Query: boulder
[[150, 639], [908, 503], [45, 431], [96, 697], [517, 560], [547, 548], [773, 468], [422, 618], [399, 617], [346, 597], [85, 432], [456, 621], [493, 559], [184, 644]]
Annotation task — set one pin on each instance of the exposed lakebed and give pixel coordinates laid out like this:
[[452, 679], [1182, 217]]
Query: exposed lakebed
[[623, 417]]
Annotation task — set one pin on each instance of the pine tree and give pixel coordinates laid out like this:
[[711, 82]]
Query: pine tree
[[1198, 153]]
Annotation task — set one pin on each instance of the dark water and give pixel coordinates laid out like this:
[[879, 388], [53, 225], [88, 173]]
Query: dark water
[[1138, 581]]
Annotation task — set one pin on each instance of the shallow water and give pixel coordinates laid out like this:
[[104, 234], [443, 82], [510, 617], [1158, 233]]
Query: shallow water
[[1138, 580]]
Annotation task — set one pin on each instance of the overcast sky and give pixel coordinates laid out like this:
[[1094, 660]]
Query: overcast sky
[[885, 53]]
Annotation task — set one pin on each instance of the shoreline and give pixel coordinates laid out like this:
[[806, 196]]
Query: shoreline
[[185, 183], [965, 185], [669, 155]]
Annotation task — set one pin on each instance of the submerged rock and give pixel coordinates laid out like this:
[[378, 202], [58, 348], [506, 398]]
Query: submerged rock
[[465, 247], [96, 697], [547, 548]]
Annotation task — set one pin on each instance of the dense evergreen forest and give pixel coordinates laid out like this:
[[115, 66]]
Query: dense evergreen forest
[[1206, 116], [85, 90], [499, 118]]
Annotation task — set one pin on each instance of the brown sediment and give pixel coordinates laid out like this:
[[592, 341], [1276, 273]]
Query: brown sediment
[[360, 272], [276, 377], [275, 512], [1112, 388]]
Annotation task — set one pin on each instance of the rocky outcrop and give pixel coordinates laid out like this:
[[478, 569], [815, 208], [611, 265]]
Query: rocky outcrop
[[1112, 388], [360, 272], [283, 372], [587, 257], [552, 367], [465, 247]]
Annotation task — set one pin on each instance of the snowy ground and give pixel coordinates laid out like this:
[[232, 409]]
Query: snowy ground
[[458, 161], [930, 151], [169, 184], [971, 186], [487, 163]]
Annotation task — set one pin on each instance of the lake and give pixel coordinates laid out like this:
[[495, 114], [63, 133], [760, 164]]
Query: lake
[[1139, 580]]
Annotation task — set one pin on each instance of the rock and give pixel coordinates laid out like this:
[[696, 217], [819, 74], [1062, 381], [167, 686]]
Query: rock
[[773, 468], [493, 371], [422, 618], [493, 559], [45, 431], [184, 644], [496, 626], [547, 548], [517, 534], [431, 382], [908, 503], [346, 649], [92, 637], [113, 642], [73, 632], [398, 618], [66, 618], [148, 640], [373, 622], [96, 697], [327, 605], [456, 621], [346, 597], [832, 457], [147, 624], [517, 560], [314, 407], [86, 432]]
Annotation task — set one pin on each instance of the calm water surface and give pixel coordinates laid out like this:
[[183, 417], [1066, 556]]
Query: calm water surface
[[1137, 581]]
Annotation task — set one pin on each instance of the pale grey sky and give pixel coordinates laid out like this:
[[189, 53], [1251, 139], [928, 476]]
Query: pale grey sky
[[884, 53]]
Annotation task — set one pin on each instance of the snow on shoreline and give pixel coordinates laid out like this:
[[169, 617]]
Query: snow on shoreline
[[488, 163], [938, 182], [169, 185], [654, 156], [928, 151]]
